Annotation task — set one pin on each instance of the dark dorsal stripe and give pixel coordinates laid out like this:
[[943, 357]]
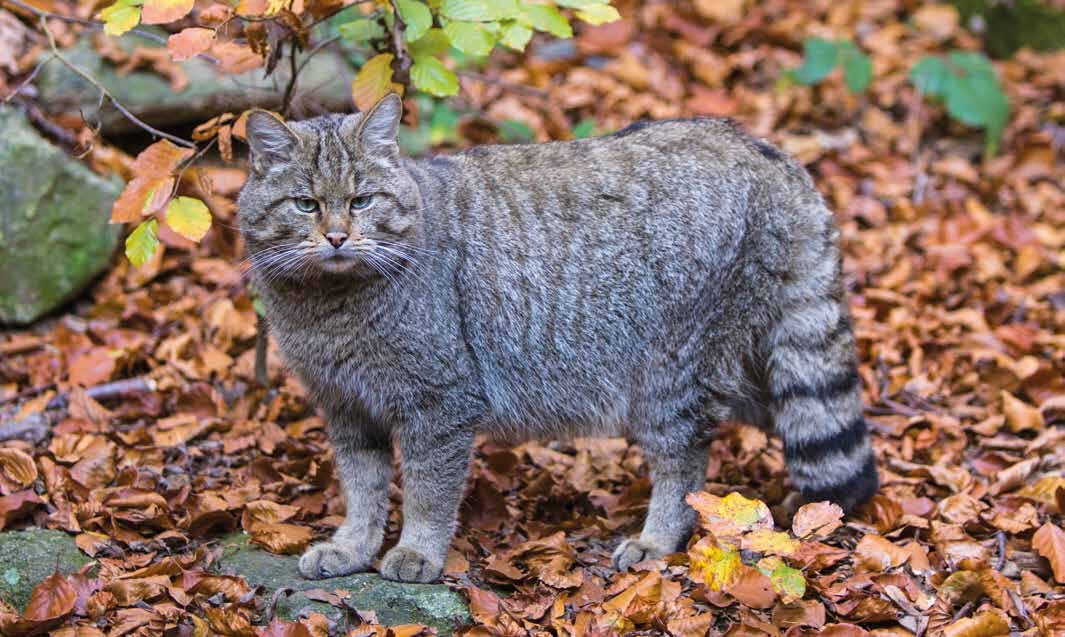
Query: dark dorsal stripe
[[816, 450], [836, 386]]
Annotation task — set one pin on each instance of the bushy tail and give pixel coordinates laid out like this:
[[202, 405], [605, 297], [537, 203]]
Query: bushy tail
[[815, 395]]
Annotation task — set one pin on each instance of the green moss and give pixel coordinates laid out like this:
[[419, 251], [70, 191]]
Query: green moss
[[54, 216], [27, 557]]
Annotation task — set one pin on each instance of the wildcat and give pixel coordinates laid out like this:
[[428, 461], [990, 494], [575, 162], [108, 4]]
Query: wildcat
[[651, 283]]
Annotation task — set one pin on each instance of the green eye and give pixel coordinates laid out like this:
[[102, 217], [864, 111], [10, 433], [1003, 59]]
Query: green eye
[[306, 204], [358, 203]]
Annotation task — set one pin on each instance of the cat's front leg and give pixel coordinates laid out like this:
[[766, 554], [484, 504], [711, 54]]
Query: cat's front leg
[[364, 467], [435, 461]]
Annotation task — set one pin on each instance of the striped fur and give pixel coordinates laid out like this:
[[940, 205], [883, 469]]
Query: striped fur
[[652, 284]]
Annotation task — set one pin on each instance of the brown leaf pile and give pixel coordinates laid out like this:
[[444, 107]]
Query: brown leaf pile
[[959, 300]]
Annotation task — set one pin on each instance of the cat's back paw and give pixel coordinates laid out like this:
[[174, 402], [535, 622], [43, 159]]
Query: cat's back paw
[[404, 564], [633, 551], [332, 559]]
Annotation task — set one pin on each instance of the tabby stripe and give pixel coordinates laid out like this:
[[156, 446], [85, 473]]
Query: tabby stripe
[[836, 386], [853, 488], [820, 341], [815, 450]]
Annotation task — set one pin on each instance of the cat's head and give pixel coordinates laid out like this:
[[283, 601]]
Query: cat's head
[[329, 195]]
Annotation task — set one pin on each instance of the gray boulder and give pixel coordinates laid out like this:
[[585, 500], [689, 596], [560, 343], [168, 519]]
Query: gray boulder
[[54, 231], [430, 604], [324, 85]]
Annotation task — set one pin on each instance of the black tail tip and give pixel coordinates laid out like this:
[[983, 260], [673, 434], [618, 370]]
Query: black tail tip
[[851, 494]]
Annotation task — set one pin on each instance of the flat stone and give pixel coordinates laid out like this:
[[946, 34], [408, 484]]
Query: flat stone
[[433, 605], [28, 557], [54, 232]]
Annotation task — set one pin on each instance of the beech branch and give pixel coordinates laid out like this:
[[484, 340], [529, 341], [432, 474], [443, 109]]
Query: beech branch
[[403, 61], [105, 93]]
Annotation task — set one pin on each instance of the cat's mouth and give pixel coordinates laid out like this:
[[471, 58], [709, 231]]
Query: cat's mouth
[[342, 260]]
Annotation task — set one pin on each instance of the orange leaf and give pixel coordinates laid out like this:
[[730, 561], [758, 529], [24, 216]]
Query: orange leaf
[[1049, 541], [152, 183], [373, 82], [16, 505], [278, 628], [816, 518], [986, 624], [17, 466], [1020, 416], [53, 598], [236, 58], [265, 512], [286, 539], [189, 43], [91, 368], [163, 11], [877, 553]]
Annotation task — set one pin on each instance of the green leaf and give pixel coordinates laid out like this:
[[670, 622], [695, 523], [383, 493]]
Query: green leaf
[[969, 86], [598, 14], [857, 67], [361, 30], [585, 129], [188, 217], [142, 242], [513, 131], [120, 17], [470, 37], [788, 581], [516, 36], [433, 43], [546, 18], [819, 57], [930, 76], [479, 10], [430, 75], [417, 18]]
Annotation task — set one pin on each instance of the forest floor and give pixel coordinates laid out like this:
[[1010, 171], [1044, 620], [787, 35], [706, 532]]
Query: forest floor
[[954, 263]]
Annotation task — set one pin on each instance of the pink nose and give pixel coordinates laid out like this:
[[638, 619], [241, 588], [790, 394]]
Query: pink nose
[[336, 238]]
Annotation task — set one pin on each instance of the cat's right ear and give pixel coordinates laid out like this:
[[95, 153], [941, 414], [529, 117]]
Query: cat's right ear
[[269, 138]]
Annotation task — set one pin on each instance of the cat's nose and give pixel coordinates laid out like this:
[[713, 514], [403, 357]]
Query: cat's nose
[[336, 238]]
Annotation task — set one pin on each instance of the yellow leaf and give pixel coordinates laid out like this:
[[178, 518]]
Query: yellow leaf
[[188, 217], [772, 542], [730, 517], [712, 564], [373, 82], [120, 17]]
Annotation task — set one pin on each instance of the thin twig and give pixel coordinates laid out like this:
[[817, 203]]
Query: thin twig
[[402, 58], [105, 93], [29, 78], [294, 73], [1001, 538], [114, 389], [315, 50]]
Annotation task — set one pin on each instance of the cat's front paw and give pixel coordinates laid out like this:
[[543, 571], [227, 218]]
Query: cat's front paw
[[633, 551], [332, 559], [404, 564]]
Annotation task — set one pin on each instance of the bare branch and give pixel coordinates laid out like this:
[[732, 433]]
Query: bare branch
[[105, 93], [403, 61]]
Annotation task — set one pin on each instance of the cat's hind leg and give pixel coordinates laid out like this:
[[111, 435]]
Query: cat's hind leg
[[364, 468], [677, 459]]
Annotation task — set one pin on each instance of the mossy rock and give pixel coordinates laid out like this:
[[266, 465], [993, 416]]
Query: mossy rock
[[430, 604], [28, 557], [324, 84], [54, 232]]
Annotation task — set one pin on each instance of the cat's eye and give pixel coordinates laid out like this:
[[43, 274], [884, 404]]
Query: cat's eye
[[306, 204], [361, 203]]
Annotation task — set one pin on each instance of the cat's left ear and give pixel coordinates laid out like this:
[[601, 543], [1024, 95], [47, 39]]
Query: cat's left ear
[[377, 131]]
